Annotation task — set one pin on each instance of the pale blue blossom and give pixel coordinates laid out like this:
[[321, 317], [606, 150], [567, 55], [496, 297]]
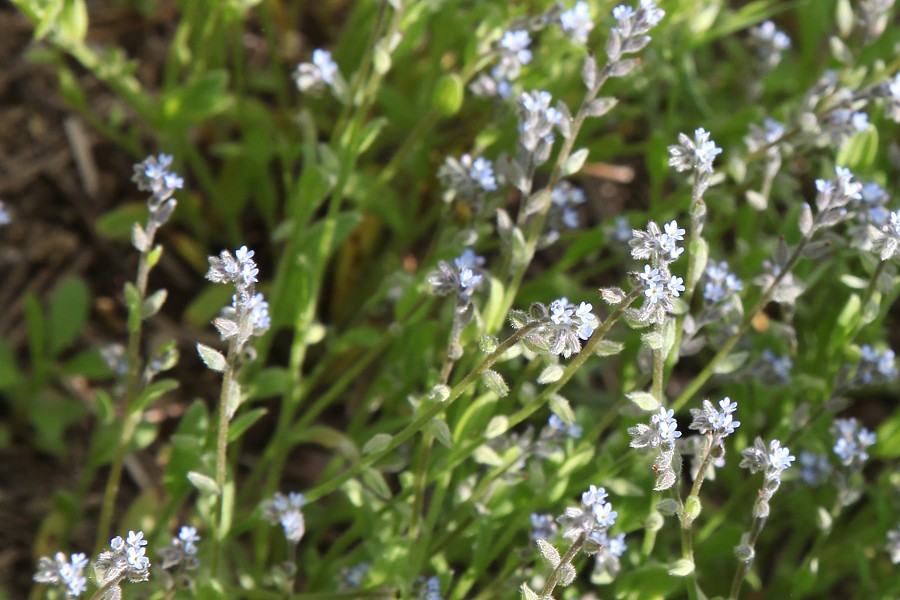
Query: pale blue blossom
[[576, 22]]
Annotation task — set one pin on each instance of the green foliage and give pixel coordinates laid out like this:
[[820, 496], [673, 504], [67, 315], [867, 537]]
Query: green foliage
[[416, 459]]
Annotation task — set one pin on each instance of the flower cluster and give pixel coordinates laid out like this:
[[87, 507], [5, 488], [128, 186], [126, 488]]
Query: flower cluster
[[767, 138], [543, 527], [248, 314], [322, 72], [893, 545], [462, 278], [153, 175], [718, 424], [814, 468], [536, 122], [566, 326], [660, 434], [660, 285], [630, 34], [886, 240], [774, 366], [576, 22], [125, 560], [695, 155], [183, 551], [890, 91], [851, 442], [769, 43], [773, 460], [788, 289], [515, 52], [285, 510], [869, 211], [65, 573], [593, 520], [467, 177], [558, 430], [431, 590], [720, 284], [875, 367], [563, 200]]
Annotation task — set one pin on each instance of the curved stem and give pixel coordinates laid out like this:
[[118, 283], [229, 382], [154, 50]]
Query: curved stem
[[744, 566], [566, 559]]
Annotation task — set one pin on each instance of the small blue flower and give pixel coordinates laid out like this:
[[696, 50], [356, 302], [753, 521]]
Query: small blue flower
[[576, 22]]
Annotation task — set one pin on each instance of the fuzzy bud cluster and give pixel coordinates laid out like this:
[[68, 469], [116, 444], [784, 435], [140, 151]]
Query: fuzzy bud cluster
[[285, 510], [886, 239], [660, 435], [716, 423], [770, 43], [64, 573], [467, 178], [772, 460], [660, 285], [153, 175], [566, 325], [695, 155], [592, 520], [629, 35], [126, 559], [514, 50], [462, 278], [182, 553], [248, 314], [321, 73], [537, 120], [851, 442]]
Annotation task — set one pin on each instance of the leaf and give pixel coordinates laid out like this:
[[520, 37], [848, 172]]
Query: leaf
[[494, 382], [528, 594], [608, 348], [204, 483], [441, 431], [154, 391], [699, 257], [486, 455], [117, 224], [643, 400], [203, 97], [575, 162], [548, 552], [730, 363], [152, 304], [550, 374], [681, 568], [212, 358], [378, 443], [68, 313], [806, 219], [560, 407], [600, 106], [244, 422], [448, 94], [756, 200], [497, 426]]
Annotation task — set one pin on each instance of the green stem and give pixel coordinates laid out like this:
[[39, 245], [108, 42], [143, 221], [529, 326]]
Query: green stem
[[220, 527], [744, 566], [132, 388], [566, 559]]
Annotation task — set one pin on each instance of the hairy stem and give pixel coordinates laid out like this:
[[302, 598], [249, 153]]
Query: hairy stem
[[566, 559]]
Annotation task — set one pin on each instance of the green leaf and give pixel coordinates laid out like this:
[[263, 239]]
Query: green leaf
[[378, 443], [199, 99], [370, 133], [575, 162], [498, 425], [204, 483], [859, 152], [117, 223], [441, 431], [73, 21], [212, 358], [608, 348], [731, 363], [681, 568], [448, 94], [494, 382], [560, 407], [36, 330], [643, 400], [244, 422], [550, 374], [154, 391], [151, 305], [68, 312]]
